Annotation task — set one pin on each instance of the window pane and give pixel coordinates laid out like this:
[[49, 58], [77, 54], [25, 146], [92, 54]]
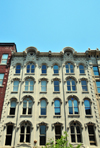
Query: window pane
[[72, 129], [78, 138], [57, 111], [78, 129], [9, 129], [13, 103], [12, 111], [57, 103], [42, 140], [8, 140], [22, 129], [43, 68], [58, 129], [28, 138], [28, 68], [21, 138], [42, 129], [73, 138], [90, 129], [95, 69], [70, 103], [55, 69], [43, 111], [43, 103], [28, 129], [1, 76], [5, 56]]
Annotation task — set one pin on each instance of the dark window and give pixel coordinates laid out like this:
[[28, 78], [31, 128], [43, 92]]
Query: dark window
[[57, 107], [42, 134], [25, 133], [87, 107], [44, 69], [56, 85], [95, 70], [9, 135], [18, 67], [12, 107], [91, 135], [75, 133], [57, 132], [98, 86], [81, 67], [43, 107], [84, 85], [55, 68]]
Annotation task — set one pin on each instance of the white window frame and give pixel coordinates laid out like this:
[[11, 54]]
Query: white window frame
[[30, 68], [71, 85], [29, 84], [73, 106], [27, 106], [16, 86], [44, 86], [69, 63], [84, 85]]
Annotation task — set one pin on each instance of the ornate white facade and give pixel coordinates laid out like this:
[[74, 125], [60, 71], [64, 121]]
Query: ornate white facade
[[49, 98]]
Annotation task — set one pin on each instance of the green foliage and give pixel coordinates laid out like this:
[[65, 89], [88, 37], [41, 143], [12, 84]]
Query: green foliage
[[60, 143]]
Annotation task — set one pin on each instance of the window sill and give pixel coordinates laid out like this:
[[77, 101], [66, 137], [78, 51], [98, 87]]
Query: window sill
[[40, 116], [73, 115], [1, 85], [14, 92], [28, 91], [56, 92], [57, 116], [56, 74], [83, 92], [3, 64], [69, 73], [17, 74], [44, 74], [71, 91], [26, 115], [43, 92], [82, 74], [11, 116], [29, 73], [89, 116]]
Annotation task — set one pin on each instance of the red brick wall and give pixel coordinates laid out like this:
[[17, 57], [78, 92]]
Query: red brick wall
[[5, 70]]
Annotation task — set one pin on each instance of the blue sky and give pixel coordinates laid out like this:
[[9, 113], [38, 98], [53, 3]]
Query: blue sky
[[51, 24]]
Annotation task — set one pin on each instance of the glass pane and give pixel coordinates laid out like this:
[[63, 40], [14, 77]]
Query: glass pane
[[58, 130], [81, 66], [96, 73], [57, 103], [84, 88], [28, 138], [56, 82], [68, 82], [81, 71], [78, 129], [90, 129], [21, 138], [42, 129], [42, 140], [75, 103], [12, 111], [22, 129], [67, 70], [95, 68], [70, 110], [67, 66], [29, 110], [78, 138], [13, 103], [9, 129], [24, 103], [43, 103], [72, 129], [43, 66], [16, 83], [43, 88], [15, 88], [26, 88], [43, 83], [75, 110], [5, 56], [31, 88], [57, 111], [73, 138], [28, 129], [43, 111], [56, 88], [73, 88], [83, 83], [1, 76], [70, 103], [55, 71], [88, 111], [55, 67], [87, 103], [98, 90], [68, 88], [30, 104], [8, 140]]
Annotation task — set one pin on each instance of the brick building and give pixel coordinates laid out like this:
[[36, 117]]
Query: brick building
[[6, 50]]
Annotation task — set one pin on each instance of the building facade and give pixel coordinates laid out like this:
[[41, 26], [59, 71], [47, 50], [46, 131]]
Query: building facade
[[49, 93], [5, 59]]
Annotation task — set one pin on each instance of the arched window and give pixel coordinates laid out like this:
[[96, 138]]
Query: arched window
[[42, 134], [12, 107], [25, 133], [69, 68], [57, 107], [55, 69], [15, 85], [18, 68], [43, 86], [30, 68], [9, 131], [43, 107], [44, 69], [87, 107], [57, 131], [75, 132], [73, 106], [81, 68], [56, 85], [84, 85], [27, 106], [91, 133], [29, 85], [71, 85]]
